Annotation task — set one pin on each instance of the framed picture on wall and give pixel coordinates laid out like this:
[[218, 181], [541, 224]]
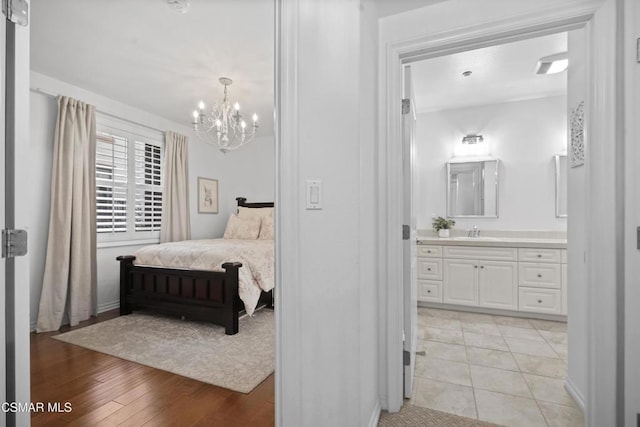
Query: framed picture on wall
[[207, 195]]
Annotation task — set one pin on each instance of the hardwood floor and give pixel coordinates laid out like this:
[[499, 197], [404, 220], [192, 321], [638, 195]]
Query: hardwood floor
[[107, 391]]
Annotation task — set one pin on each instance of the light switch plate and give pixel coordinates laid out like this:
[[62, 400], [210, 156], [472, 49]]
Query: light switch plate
[[314, 194]]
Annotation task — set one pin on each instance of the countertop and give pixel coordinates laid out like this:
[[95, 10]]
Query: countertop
[[510, 242]]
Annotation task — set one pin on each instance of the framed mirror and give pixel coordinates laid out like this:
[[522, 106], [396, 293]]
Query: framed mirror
[[472, 188], [561, 185]]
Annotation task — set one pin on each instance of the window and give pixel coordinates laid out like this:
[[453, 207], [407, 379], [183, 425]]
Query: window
[[128, 181]]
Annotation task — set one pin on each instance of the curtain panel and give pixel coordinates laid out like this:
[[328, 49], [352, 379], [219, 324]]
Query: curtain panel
[[69, 283], [176, 222]]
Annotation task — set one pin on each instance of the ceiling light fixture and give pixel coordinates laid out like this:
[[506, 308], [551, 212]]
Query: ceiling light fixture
[[472, 139], [553, 64], [224, 124]]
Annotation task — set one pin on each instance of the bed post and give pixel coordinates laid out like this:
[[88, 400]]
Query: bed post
[[126, 262], [231, 297]]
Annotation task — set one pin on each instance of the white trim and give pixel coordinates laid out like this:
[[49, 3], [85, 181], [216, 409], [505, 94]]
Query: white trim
[[288, 363], [375, 415], [108, 306], [565, 17], [575, 393]]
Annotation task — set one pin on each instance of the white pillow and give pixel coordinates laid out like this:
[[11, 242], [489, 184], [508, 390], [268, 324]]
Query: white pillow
[[242, 228], [266, 228], [244, 212]]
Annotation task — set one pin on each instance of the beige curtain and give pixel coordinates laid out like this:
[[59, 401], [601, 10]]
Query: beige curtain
[[176, 224], [70, 268]]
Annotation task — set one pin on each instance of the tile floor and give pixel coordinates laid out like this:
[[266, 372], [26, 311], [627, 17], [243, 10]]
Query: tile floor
[[505, 370]]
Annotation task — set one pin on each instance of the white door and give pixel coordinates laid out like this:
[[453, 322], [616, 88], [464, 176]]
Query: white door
[[460, 282], [14, 272], [498, 285], [409, 247]]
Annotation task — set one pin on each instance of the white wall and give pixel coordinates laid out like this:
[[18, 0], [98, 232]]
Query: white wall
[[248, 172], [327, 287], [523, 135]]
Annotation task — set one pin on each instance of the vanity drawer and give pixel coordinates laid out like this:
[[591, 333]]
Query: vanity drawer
[[539, 255], [540, 275], [430, 251], [489, 253], [430, 291], [430, 268], [539, 300]]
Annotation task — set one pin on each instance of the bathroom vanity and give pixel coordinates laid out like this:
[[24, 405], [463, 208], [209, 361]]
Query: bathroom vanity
[[494, 273]]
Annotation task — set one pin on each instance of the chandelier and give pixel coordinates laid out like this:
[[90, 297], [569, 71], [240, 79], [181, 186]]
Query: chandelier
[[224, 124]]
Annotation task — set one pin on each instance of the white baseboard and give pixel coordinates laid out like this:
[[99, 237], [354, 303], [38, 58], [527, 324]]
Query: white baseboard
[[101, 309], [375, 415], [108, 306], [575, 393]]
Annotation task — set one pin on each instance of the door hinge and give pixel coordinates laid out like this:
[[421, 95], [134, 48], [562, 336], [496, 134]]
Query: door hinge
[[406, 232], [14, 243], [406, 358], [406, 106], [16, 11]]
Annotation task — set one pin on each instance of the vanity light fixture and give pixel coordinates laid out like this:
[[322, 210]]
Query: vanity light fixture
[[553, 64], [472, 139]]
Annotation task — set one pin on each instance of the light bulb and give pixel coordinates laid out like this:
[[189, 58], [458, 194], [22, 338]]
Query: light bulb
[[236, 106], [201, 105], [195, 116], [255, 118], [243, 125]]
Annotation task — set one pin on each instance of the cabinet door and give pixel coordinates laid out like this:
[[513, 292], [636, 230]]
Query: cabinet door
[[460, 282], [498, 284]]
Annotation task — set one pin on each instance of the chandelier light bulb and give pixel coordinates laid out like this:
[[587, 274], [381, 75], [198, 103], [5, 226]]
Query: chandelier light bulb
[[201, 105], [236, 106], [243, 125], [255, 118], [195, 116]]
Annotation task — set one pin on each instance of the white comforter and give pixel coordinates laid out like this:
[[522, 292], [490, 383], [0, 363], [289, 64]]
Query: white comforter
[[256, 257]]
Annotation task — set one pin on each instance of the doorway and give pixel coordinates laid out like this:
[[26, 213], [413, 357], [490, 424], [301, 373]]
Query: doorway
[[490, 33]]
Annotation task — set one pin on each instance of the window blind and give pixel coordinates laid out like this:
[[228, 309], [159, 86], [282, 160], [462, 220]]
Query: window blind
[[148, 179]]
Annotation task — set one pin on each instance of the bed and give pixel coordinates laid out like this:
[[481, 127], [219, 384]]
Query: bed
[[200, 280]]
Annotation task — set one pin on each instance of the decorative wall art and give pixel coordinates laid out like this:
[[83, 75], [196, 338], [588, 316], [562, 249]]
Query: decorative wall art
[[577, 136], [207, 195]]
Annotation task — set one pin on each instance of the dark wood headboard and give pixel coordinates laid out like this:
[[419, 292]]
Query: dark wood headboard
[[242, 202]]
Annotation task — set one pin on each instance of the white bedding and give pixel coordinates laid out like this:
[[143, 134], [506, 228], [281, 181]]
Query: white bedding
[[256, 257]]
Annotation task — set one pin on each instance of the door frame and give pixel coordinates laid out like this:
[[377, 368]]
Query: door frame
[[551, 20]]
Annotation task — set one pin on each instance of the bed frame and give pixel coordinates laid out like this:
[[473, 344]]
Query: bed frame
[[209, 296]]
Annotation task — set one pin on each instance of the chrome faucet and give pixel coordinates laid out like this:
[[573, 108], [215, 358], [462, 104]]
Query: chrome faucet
[[474, 232]]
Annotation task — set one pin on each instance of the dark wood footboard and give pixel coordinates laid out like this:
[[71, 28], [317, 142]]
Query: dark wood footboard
[[208, 296]]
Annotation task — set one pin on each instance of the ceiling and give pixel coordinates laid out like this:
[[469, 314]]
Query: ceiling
[[145, 54], [501, 73]]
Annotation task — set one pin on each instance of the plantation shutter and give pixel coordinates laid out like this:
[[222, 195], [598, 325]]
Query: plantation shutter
[[148, 180], [111, 183]]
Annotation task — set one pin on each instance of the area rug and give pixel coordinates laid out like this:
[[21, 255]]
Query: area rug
[[196, 350], [411, 416]]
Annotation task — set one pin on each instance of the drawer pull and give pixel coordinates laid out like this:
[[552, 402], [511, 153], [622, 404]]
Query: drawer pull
[[539, 301], [539, 275], [428, 268], [429, 251], [539, 255], [429, 291], [475, 266], [482, 266]]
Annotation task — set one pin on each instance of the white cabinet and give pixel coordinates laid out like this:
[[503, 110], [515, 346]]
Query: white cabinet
[[524, 279], [480, 283], [460, 284], [497, 285]]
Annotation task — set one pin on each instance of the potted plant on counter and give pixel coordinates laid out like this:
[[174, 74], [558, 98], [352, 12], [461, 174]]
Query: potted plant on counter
[[443, 225]]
